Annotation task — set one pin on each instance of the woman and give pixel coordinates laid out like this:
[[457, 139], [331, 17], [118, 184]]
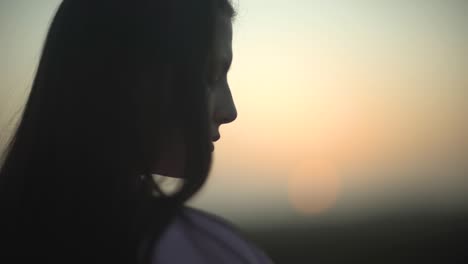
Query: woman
[[124, 90]]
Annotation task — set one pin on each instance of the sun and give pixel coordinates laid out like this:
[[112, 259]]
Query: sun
[[313, 186]]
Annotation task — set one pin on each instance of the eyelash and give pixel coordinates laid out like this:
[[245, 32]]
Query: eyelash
[[217, 78], [213, 79], [210, 84]]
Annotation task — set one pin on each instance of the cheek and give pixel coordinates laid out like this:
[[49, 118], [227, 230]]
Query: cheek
[[211, 104], [212, 113]]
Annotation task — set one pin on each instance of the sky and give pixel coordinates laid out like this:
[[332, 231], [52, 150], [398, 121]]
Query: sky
[[345, 108]]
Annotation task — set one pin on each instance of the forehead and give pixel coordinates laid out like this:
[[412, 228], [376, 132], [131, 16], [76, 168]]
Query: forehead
[[223, 39]]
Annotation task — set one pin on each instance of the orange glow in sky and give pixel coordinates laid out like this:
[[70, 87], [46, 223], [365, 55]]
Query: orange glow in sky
[[339, 102]]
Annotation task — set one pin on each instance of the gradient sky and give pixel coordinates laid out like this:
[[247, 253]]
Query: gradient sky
[[345, 107]]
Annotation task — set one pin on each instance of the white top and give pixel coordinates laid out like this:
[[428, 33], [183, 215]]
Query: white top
[[197, 237]]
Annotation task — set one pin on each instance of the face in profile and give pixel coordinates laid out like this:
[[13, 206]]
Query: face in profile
[[221, 106]]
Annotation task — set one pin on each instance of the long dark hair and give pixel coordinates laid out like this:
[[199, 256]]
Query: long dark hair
[[115, 78]]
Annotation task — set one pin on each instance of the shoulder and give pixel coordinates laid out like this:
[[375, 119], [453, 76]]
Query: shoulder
[[196, 237]]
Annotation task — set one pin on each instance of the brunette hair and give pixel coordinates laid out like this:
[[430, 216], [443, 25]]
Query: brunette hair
[[115, 78]]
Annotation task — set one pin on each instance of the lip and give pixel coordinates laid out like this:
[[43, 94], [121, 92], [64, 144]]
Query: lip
[[216, 138], [212, 146]]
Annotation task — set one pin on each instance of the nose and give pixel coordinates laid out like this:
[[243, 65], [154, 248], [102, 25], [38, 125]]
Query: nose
[[226, 112], [230, 116]]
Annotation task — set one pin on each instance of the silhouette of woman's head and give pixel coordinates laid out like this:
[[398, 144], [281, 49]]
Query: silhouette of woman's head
[[124, 89], [221, 108]]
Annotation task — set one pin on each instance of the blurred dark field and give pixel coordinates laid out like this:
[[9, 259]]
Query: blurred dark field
[[396, 238]]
